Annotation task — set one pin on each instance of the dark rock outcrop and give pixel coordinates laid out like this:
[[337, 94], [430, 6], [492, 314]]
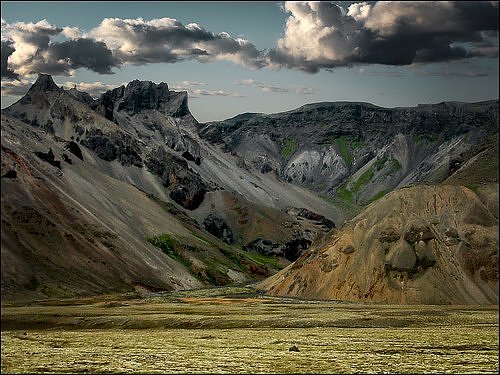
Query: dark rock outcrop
[[290, 250], [307, 214], [73, 147], [10, 174], [219, 228], [49, 158], [187, 187], [295, 248], [112, 146]]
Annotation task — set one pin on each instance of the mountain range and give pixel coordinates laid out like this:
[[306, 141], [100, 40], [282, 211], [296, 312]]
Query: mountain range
[[348, 201]]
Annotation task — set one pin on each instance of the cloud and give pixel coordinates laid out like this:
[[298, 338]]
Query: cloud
[[317, 35], [323, 35], [28, 48], [16, 88], [192, 83], [196, 92], [31, 51], [266, 87], [304, 90], [166, 40], [448, 74], [20, 87]]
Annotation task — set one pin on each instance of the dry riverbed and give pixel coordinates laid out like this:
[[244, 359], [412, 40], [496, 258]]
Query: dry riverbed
[[234, 330]]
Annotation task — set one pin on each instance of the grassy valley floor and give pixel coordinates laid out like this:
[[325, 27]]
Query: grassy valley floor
[[235, 330]]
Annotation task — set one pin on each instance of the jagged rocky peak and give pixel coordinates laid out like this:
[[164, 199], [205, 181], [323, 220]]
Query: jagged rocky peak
[[139, 95], [142, 95], [44, 83]]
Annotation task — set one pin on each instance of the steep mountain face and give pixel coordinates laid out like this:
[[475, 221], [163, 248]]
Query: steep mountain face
[[120, 193], [356, 152]]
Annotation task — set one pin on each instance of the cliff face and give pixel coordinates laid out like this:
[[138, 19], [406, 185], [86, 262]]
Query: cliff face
[[356, 152]]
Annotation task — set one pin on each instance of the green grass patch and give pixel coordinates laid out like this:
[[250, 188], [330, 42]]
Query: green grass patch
[[363, 179], [395, 164], [344, 194], [262, 259], [380, 162], [168, 244], [342, 144], [289, 148]]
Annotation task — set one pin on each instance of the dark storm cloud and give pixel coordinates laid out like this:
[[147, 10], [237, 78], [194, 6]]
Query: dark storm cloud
[[324, 35], [6, 51], [317, 35], [84, 53]]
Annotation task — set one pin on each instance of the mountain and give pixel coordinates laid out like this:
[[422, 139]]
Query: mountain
[[356, 152], [128, 192], [121, 194], [425, 244]]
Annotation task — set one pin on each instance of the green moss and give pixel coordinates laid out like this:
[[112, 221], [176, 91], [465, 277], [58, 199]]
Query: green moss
[[344, 194], [380, 162], [168, 244], [363, 179], [395, 164], [289, 148], [342, 143], [262, 259]]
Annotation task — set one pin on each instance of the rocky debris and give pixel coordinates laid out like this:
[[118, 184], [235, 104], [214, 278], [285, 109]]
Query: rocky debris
[[402, 257], [307, 214], [417, 233], [112, 146], [73, 147], [389, 235], [188, 191], [49, 158], [294, 348], [187, 155], [219, 228], [264, 246]]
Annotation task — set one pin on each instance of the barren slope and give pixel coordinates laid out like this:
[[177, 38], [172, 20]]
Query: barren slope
[[427, 244]]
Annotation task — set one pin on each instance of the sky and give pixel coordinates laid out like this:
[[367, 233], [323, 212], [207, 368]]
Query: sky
[[266, 57]]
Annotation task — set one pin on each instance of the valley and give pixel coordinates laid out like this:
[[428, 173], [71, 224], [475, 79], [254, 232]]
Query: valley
[[239, 330]]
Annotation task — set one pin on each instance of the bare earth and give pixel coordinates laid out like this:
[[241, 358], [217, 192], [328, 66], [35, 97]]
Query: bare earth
[[233, 331]]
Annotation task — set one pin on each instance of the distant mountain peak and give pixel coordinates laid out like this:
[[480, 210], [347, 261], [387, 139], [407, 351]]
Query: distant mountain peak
[[44, 83]]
